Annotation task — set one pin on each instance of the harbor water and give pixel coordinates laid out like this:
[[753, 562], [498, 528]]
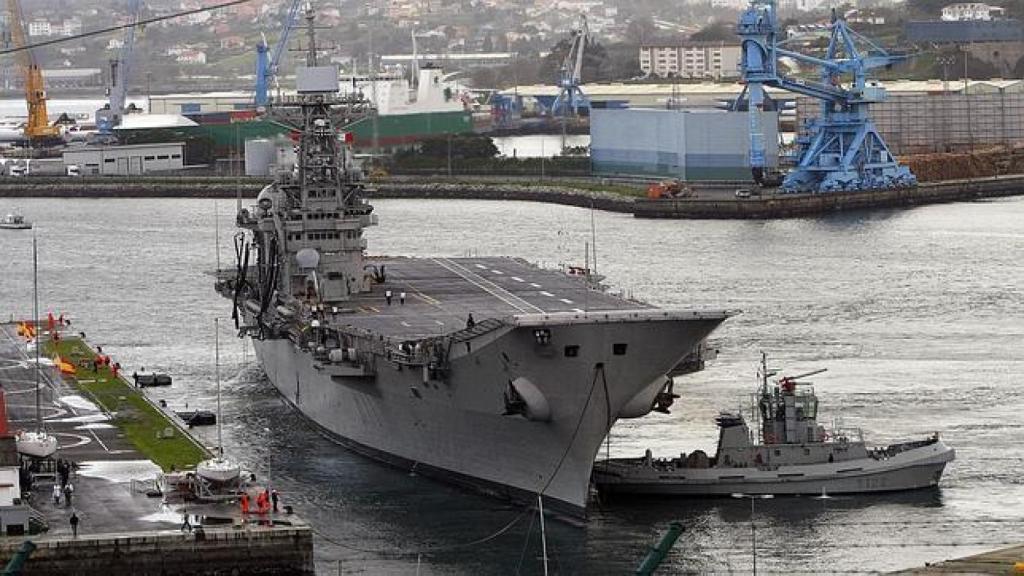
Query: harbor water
[[918, 315]]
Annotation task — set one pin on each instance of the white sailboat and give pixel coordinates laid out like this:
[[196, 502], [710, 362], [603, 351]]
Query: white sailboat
[[218, 469], [36, 443]]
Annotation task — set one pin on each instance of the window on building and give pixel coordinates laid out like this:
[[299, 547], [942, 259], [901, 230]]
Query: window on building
[[191, 108], [150, 157], [162, 157], [108, 160], [572, 351], [176, 156]]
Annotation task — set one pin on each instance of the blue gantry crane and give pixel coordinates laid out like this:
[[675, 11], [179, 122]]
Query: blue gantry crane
[[266, 63], [110, 116], [570, 96], [840, 150]]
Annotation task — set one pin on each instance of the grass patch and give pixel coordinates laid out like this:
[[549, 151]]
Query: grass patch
[[140, 421]]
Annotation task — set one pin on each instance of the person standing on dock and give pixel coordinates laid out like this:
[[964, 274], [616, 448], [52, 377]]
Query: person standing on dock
[[273, 498], [74, 524], [56, 494], [245, 503], [387, 296], [186, 526], [69, 489], [401, 298]]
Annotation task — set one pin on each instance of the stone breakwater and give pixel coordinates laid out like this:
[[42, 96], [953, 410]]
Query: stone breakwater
[[709, 204], [249, 188], [801, 205], [272, 551]]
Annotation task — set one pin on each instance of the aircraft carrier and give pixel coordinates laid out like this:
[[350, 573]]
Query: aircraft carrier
[[382, 353]]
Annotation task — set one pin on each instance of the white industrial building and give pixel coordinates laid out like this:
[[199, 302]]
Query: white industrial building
[[968, 11], [126, 160], [687, 144]]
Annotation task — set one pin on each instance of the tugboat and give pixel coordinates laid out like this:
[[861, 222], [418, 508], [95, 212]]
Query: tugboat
[[792, 455], [15, 222]]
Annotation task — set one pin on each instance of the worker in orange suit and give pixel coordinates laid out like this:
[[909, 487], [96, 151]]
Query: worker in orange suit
[[245, 503]]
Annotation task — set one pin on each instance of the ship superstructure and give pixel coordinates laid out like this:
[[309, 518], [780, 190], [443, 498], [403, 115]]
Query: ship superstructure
[[490, 372]]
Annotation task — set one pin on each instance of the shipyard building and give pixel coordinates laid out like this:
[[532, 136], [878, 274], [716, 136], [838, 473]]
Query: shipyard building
[[686, 144]]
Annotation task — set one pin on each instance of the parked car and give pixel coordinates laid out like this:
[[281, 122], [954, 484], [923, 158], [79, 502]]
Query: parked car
[[743, 193]]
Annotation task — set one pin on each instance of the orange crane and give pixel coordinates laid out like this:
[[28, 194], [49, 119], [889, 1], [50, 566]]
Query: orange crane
[[38, 129]]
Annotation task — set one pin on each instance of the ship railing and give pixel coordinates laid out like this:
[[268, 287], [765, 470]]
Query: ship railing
[[846, 434], [480, 328], [894, 449]]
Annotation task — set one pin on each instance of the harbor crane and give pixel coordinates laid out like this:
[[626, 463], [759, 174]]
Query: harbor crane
[[841, 149], [266, 63], [570, 96], [110, 116], [38, 130]]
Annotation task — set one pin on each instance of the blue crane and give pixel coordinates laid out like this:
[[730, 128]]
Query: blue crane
[[110, 116], [841, 149], [267, 64], [570, 97]]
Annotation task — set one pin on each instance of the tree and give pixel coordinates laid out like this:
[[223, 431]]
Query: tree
[[715, 32], [594, 60], [641, 30]]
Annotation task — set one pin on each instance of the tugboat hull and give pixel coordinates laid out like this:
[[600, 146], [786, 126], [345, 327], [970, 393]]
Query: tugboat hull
[[912, 469]]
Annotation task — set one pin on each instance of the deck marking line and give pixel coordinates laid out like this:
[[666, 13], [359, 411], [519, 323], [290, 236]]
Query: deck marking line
[[93, 432], [546, 293], [487, 286]]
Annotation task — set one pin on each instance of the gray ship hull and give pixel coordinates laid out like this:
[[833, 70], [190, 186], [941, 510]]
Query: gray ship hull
[[913, 469], [456, 428]]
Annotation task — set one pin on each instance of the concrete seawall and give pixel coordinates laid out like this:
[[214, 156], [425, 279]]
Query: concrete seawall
[[711, 205], [790, 206], [554, 193], [284, 551]]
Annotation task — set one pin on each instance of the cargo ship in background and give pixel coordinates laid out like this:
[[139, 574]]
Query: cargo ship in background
[[407, 112]]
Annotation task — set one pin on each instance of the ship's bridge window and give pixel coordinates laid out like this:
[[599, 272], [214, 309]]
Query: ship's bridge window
[[572, 351], [619, 349]]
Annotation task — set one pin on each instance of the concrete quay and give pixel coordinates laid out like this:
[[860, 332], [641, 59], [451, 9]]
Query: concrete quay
[[279, 549], [722, 204], [124, 527], [1005, 561], [712, 200]]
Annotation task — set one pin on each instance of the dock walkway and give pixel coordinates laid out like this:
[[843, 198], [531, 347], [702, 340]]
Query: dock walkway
[[121, 530]]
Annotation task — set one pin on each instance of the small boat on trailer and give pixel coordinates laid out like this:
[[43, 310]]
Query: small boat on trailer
[[36, 444], [792, 454]]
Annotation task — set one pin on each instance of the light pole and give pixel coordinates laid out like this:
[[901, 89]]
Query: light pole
[[967, 101], [753, 529], [270, 455], [449, 155]]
